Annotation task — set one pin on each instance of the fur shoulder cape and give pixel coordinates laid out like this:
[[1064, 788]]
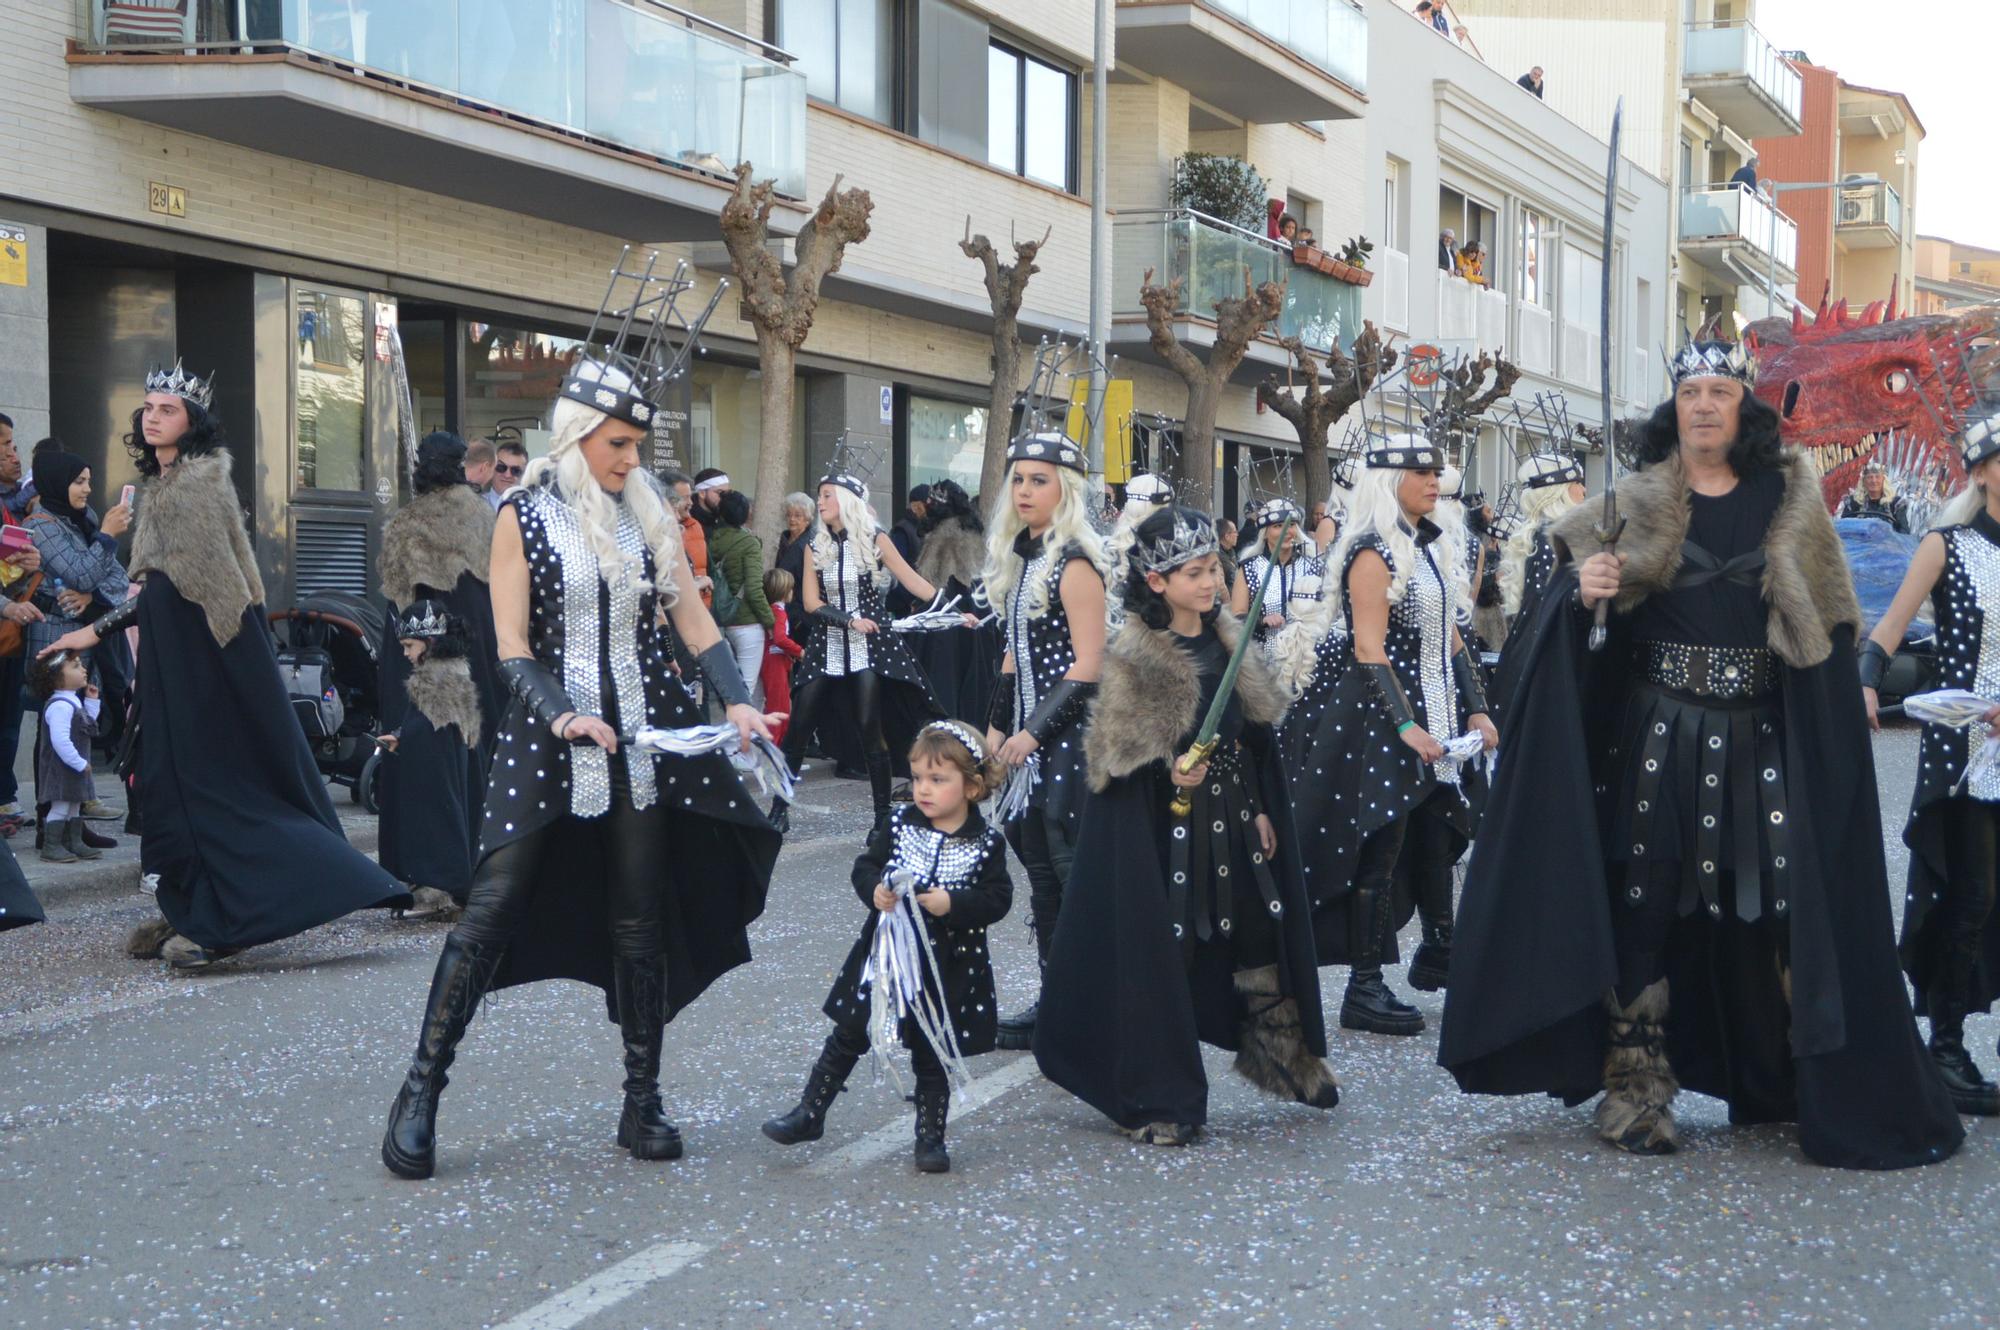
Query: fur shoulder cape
[[1806, 584], [191, 528], [952, 550], [1150, 691], [443, 691], [433, 540]]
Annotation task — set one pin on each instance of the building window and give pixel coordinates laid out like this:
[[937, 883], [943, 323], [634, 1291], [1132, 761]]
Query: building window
[[947, 441], [847, 50], [1537, 282], [331, 395], [1030, 117]]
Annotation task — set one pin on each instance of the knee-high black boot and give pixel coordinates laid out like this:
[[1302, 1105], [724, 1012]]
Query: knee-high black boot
[[880, 777], [1430, 968], [464, 970], [933, 1106], [807, 1120], [642, 1021], [1971, 1092], [1369, 1004]]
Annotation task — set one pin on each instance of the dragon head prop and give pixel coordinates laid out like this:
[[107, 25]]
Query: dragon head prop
[[1842, 384]]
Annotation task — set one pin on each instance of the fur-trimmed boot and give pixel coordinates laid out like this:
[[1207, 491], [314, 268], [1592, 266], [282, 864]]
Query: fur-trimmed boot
[[1636, 1113], [933, 1106], [1971, 1092], [1430, 968], [1369, 1003], [807, 1120], [1271, 1053], [1165, 1133], [464, 970], [642, 1021], [145, 941]]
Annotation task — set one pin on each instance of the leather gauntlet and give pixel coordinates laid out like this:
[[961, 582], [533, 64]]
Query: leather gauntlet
[[117, 617], [1063, 706], [1389, 692], [831, 616], [1465, 673], [1869, 658], [537, 687], [1001, 714], [718, 666]]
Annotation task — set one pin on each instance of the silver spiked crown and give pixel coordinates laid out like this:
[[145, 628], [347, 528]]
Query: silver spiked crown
[[1191, 537], [1712, 360], [182, 384], [424, 619]]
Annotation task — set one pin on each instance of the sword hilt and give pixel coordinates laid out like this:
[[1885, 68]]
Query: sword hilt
[[1600, 631], [1183, 800]]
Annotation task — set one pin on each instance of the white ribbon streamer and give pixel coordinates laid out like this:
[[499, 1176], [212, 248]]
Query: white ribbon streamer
[[934, 618], [1019, 789], [762, 767], [899, 961], [1958, 709]]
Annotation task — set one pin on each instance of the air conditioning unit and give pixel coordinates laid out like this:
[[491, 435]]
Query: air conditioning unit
[[1850, 210]]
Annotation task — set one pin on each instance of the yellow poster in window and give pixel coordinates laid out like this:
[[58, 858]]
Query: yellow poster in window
[[1118, 425], [13, 255]]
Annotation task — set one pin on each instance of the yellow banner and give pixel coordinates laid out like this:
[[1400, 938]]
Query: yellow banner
[[1117, 434]]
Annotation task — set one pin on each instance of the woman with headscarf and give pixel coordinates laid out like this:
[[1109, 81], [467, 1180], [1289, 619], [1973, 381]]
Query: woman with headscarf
[[81, 575], [238, 830]]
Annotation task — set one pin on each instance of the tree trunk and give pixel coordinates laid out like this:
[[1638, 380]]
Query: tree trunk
[[1000, 410], [1196, 462], [777, 358], [1239, 320]]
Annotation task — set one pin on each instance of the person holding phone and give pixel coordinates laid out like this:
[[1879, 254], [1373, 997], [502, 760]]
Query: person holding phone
[[81, 575]]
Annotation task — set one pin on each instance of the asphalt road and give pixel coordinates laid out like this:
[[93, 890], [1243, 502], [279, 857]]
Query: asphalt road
[[201, 1151]]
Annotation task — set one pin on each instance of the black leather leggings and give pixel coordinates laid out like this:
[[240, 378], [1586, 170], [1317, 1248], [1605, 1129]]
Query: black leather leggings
[[862, 691], [847, 1045], [1045, 850], [1425, 860], [1971, 846], [631, 841]]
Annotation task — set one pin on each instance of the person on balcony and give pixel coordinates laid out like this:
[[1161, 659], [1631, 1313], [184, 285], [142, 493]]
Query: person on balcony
[[1472, 263], [1746, 175], [1532, 81], [1448, 250]]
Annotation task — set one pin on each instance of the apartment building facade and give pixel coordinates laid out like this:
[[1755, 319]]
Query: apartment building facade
[[1951, 275]]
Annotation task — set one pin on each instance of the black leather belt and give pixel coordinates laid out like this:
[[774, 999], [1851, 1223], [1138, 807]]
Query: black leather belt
[[1725, 673]]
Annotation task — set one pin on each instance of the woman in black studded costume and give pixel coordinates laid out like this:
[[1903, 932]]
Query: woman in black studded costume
[[1382, 810], [1043, 578], [852, 657], [1951, 949], [633, 873]]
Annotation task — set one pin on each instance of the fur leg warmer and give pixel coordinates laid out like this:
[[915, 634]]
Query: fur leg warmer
[[146, 940], [1636, 1113], [1272, 1054]]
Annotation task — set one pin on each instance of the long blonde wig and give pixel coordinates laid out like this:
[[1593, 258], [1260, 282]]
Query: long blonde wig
[[595, 508], [1375, 507], [1070, 525], [857, 519], [1539, 508]]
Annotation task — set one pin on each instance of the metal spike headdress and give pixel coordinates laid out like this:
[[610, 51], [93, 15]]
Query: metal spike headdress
[[182, 384], [639, 342], [856, 458]]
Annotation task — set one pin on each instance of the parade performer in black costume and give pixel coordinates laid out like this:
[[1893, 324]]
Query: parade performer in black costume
[[435, 548], [1043, 577], [1722, 922], [1182, 930], [1278, 584], [1951, 949], [853, 661], [237, 828], [1875, 497], [1382, 808], [1550, 485], [434, 768], [18, 906], [599, 862], [962, 664], [958, 870]]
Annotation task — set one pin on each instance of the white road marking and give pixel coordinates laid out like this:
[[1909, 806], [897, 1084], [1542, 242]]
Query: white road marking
[[900, 1134], [41, 1020], [580, 1302]]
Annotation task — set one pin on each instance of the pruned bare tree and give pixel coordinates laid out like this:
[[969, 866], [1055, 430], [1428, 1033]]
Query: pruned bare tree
[[1314, 412], [781, 311], [1006, 283], [1239, 321], [1466, 392]]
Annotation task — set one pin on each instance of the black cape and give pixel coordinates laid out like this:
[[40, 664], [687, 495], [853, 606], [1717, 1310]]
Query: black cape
[[18, 906], [1533, 957], [237, 820]]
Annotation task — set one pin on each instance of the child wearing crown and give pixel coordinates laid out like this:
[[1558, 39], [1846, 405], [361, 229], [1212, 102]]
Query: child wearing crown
[[1186, 927]]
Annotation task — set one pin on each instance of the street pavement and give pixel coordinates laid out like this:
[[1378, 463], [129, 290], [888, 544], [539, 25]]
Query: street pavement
[[201, 1151]]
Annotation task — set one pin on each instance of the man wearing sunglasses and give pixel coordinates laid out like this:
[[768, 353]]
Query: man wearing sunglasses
[[510, 463]]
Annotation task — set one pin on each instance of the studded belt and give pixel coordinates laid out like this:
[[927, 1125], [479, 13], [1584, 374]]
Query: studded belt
[[1725, 673]]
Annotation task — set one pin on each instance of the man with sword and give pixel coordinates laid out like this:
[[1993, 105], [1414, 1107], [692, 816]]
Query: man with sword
[[1718, 916]]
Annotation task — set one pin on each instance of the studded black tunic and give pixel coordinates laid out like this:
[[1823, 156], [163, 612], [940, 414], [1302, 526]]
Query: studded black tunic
[[971, 864], [833, 652], [1044, 653], [715, 858], [1282, 588]]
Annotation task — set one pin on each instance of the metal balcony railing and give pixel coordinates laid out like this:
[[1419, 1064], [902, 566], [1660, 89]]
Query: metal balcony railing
[[1871, 205], [1738, 50], [633, 74], [1729, 212], [1210, 258]]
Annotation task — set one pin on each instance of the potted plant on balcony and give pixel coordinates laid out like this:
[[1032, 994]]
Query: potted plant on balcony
[[1354, 259], [1225, 188]]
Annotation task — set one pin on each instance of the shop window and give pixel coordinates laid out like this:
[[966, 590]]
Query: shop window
[[947, 441], [511, 376], [1030, 117], [331, 393]]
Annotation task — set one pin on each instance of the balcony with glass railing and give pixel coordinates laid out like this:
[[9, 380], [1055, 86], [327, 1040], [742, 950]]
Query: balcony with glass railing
[[625, 115], [1869, 216], [1210, 259], [1742, 78], [1736, 234], [1263, 61]]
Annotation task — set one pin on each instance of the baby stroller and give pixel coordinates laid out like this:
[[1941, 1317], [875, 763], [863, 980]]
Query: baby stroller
[[327, 654]]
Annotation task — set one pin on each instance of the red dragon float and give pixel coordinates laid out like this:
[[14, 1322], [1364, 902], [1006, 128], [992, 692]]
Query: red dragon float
[[1844, 385]]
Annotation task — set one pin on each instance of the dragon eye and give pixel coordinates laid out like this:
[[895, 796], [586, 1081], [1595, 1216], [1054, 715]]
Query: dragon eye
[[1898, 381]]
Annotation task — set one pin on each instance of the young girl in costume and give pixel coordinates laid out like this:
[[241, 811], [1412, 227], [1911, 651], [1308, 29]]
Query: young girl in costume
[[1191, 928], [780, 652], [942, 852], [62, 757]]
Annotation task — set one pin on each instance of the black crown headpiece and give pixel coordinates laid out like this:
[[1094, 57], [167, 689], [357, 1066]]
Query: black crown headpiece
[[1405, 452], [180, 383], [639, 343], [1541, 470], [855, 459], [1050, 446]]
